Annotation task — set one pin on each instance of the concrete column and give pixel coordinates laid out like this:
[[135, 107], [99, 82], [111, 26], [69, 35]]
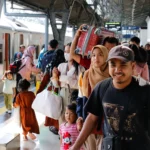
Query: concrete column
[[143, 36], [1, 5], [148, 29], [59, 34]]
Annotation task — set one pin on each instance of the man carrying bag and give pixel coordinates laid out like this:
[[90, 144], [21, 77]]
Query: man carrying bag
[[124, 105]]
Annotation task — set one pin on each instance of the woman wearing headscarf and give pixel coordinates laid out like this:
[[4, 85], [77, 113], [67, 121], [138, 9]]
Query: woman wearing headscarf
[[27, 67], [28, 63], [97, 72]]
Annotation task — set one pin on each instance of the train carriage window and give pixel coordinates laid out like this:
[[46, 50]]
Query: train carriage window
[[21, 39]]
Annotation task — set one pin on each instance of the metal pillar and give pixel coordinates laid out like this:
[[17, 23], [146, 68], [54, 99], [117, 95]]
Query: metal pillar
[[46, 33]]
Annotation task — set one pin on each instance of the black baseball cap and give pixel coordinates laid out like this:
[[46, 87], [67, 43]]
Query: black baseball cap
[[121, 52]]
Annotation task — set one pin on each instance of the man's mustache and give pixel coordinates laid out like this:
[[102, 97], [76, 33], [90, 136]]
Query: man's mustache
[[118, 73]]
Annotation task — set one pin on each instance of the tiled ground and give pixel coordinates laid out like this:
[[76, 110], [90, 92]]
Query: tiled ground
[[46, 139]]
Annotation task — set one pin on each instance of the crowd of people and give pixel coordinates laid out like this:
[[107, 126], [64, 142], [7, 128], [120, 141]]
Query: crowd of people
[[101, 96]]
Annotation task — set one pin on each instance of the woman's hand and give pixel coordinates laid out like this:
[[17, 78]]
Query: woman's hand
[[78, 33], [55, 73], [79, 123]]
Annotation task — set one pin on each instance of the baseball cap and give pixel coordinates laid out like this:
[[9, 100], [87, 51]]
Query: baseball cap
[[121, 52]]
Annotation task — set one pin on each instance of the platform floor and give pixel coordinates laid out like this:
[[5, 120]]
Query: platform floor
[[46, 139]]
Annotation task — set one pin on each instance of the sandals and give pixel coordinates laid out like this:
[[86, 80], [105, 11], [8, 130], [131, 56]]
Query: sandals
[[53, 130], [25, 138], [32, 136]]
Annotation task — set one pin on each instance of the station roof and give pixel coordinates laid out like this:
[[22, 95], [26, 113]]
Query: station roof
[[128, 12], [80, 11]]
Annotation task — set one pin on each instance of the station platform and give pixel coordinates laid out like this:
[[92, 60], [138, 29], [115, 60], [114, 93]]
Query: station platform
[[46, 140]]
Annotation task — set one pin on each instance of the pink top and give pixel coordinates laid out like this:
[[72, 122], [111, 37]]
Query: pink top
[[142, 70], [29, 67], [69, 135]]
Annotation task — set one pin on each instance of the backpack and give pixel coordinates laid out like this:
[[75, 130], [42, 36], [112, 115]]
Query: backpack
[[47, 58], [15, 66], [18, 55], [58, 57]]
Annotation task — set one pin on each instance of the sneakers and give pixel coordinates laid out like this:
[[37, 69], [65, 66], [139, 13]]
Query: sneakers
[[9, 111], [53, 130]]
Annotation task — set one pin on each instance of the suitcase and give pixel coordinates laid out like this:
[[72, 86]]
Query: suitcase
[[87, 40], [90, 37]]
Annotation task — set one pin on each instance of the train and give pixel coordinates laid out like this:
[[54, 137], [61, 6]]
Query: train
[[14, 33]]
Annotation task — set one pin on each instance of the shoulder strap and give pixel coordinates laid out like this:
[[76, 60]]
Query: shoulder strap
[[24, 64]]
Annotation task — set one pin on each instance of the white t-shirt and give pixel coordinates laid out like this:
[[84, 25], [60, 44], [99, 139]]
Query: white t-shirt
[[8, 86]]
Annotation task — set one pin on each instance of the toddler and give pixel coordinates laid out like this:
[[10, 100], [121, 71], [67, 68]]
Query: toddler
[[69, 130], [25, 99], [8, 90]]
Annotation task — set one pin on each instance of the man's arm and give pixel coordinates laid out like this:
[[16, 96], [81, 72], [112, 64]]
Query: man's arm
[[88, 126]]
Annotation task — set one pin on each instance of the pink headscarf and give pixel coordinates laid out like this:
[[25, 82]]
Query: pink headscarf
[[29, 51]]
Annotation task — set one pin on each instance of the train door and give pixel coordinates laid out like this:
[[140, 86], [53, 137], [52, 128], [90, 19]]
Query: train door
[[7, 51]]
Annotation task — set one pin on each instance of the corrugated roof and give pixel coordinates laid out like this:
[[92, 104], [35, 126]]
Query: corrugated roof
[[128, 12]]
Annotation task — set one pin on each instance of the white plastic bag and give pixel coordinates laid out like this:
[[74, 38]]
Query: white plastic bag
[[48, 103]]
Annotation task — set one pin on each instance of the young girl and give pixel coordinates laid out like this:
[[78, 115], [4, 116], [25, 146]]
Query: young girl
[[8, 89], [69, 130], [28, 119]]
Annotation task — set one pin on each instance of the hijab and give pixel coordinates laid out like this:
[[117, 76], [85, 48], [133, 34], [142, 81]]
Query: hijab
[[94, 75], [29, 52]]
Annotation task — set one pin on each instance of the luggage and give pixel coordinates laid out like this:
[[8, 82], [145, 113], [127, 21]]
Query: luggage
[[90, 37], [87, 40]]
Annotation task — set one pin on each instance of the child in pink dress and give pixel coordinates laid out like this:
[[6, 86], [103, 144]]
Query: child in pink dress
[[69, 130]]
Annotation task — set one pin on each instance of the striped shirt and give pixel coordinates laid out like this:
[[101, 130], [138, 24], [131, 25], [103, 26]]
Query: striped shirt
[[69, 135]]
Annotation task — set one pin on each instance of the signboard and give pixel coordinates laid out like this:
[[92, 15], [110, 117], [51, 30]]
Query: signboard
[[128, 36], [130, 28], [113, 25]]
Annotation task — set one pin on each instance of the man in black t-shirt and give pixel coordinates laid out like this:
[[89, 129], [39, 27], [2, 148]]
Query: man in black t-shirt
[[122, 102]]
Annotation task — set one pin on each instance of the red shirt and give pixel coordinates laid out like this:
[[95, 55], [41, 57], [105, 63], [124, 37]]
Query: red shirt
[[85, 62]]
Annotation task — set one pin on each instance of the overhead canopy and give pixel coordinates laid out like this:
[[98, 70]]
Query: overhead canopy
[[128, 12], [80, 11]]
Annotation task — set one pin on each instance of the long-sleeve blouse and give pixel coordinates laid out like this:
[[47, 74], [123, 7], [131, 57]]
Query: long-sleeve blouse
[[29, 67]]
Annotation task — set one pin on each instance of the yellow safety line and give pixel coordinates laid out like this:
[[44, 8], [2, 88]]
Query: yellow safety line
[[2, 110]]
